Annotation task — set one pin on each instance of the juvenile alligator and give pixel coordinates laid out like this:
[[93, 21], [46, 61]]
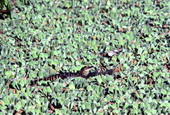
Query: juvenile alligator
[[84, 72]]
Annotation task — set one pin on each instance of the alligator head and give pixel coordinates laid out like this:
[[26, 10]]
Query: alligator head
[[84, 72]]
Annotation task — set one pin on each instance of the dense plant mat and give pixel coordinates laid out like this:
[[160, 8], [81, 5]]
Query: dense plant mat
[[46, 37]]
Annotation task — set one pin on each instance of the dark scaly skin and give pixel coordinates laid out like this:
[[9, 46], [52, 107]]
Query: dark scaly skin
[[103, 70], [84, 72]]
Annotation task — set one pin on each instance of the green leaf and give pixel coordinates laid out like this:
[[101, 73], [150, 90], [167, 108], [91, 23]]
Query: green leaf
[[88, 105], [43, 55], [9, 73], [164, 92], [89, 88], [49, 89], [58, 111], [99, 79], [148, 39], [72, 86], [6, 100], [18, 106]]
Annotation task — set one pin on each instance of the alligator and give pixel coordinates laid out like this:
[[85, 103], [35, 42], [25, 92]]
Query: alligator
[[84, 72]]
